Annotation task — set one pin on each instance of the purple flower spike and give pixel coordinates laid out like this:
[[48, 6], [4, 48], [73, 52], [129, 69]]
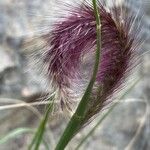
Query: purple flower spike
[[73, 41]]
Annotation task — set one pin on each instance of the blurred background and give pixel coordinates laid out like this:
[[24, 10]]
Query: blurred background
[[127, 127]]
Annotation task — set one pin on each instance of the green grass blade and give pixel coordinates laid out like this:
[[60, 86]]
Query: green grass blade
[[105, 115], [40, 131], [17, 132], [75, 122]]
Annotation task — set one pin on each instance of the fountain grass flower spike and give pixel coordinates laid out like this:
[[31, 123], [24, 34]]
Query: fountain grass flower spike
[[72, 44], [90, 52], [70, 58]]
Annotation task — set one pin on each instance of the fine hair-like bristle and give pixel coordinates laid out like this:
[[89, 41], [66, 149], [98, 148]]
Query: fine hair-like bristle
[[73, 40]]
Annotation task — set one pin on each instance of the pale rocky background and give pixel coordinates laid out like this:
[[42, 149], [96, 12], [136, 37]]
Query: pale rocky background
[[126, 128]]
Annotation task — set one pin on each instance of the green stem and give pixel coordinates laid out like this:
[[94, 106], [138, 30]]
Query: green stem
[[95, 127], [38, 137], [78, 116], [106, 114]]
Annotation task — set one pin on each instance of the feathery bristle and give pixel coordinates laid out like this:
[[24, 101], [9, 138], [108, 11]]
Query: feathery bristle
[[75, 37]]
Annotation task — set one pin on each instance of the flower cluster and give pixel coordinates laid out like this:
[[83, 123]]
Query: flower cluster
[[72, 43]]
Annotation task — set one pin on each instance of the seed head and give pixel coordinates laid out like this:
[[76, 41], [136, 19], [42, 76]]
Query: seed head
[[72, 44]]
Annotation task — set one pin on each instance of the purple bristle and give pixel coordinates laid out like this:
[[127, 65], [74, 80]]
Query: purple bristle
[[75, 36]]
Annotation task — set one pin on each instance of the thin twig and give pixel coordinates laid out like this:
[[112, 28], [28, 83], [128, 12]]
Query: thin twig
[[13, 106]]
